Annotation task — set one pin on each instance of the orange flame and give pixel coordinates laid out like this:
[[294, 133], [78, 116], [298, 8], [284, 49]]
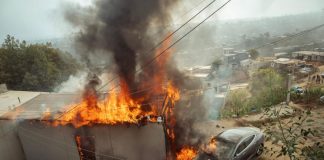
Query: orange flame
[[121, 107], [117, 108], [172, 93], [78, 143], [171, 134], [187, 153], [211, 147]]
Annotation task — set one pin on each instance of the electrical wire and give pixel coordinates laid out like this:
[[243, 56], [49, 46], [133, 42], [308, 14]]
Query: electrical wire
[[177, 41], [165, 39], [290, 37], [286, 38]]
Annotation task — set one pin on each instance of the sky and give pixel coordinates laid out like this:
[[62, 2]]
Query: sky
[[43, 19], [240, 9]]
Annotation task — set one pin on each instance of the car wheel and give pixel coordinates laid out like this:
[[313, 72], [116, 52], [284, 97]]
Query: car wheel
[[260, 149]]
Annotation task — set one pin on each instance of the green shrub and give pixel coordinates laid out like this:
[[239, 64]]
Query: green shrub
[[35, 67], [310, 95]]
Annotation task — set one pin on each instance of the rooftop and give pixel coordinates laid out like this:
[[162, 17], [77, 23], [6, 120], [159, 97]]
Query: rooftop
[[12, 99], [310, 53], [286, 61], [199, 68], [280, 54], [37, 104], [266, 58]]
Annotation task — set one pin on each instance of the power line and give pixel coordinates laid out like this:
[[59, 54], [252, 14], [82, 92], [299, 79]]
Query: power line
[[262, 46], [184, 14], [177, 41], [153, 59], [287, 38], [196, 5], [166, 38], [272, 43], [290, 37], [160, 32]]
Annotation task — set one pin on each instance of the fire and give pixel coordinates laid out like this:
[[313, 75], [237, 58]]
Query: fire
[[123, 107], [189, 153], [186, 153], [46, 114], [116, 108], [78, 143], [171, 134], [120, 107], [211, 146], [173, 93]]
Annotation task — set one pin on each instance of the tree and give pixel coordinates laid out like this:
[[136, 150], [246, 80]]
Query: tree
[[37, 67], [30, 81], [267, 88], [254, 54]]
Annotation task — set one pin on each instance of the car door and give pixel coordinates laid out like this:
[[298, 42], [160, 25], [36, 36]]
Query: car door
[[244, 150]]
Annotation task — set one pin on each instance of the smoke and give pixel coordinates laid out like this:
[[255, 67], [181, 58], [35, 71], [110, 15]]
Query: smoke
[[75, 83], [188, 113], [120, 30]]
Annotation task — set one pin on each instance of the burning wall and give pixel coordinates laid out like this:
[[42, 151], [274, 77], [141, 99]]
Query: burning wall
[[117, 142], [38, 138]]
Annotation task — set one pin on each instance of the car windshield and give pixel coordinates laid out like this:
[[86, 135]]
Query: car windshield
[[223, 150]]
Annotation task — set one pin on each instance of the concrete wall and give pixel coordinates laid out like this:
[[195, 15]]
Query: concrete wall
[[10, 146], [130, 142]]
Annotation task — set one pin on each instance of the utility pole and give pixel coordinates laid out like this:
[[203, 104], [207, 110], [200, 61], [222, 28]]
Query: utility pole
[[288, 88]]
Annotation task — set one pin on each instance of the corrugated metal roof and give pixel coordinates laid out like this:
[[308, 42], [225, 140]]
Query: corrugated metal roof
[[37, 106], [310, 53], [12, 99]]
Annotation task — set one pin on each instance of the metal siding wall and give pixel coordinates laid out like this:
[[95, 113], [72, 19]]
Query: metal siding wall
[[42, 142], [10, 146], [131, 142], [111, 142]]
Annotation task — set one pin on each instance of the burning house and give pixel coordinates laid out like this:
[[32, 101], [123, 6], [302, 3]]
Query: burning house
[[116, 127], [136, 118]]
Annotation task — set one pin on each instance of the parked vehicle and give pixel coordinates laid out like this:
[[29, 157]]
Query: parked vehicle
[[244, 143], [305, 70], [322, 74], [297, 89], [322, 99]]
